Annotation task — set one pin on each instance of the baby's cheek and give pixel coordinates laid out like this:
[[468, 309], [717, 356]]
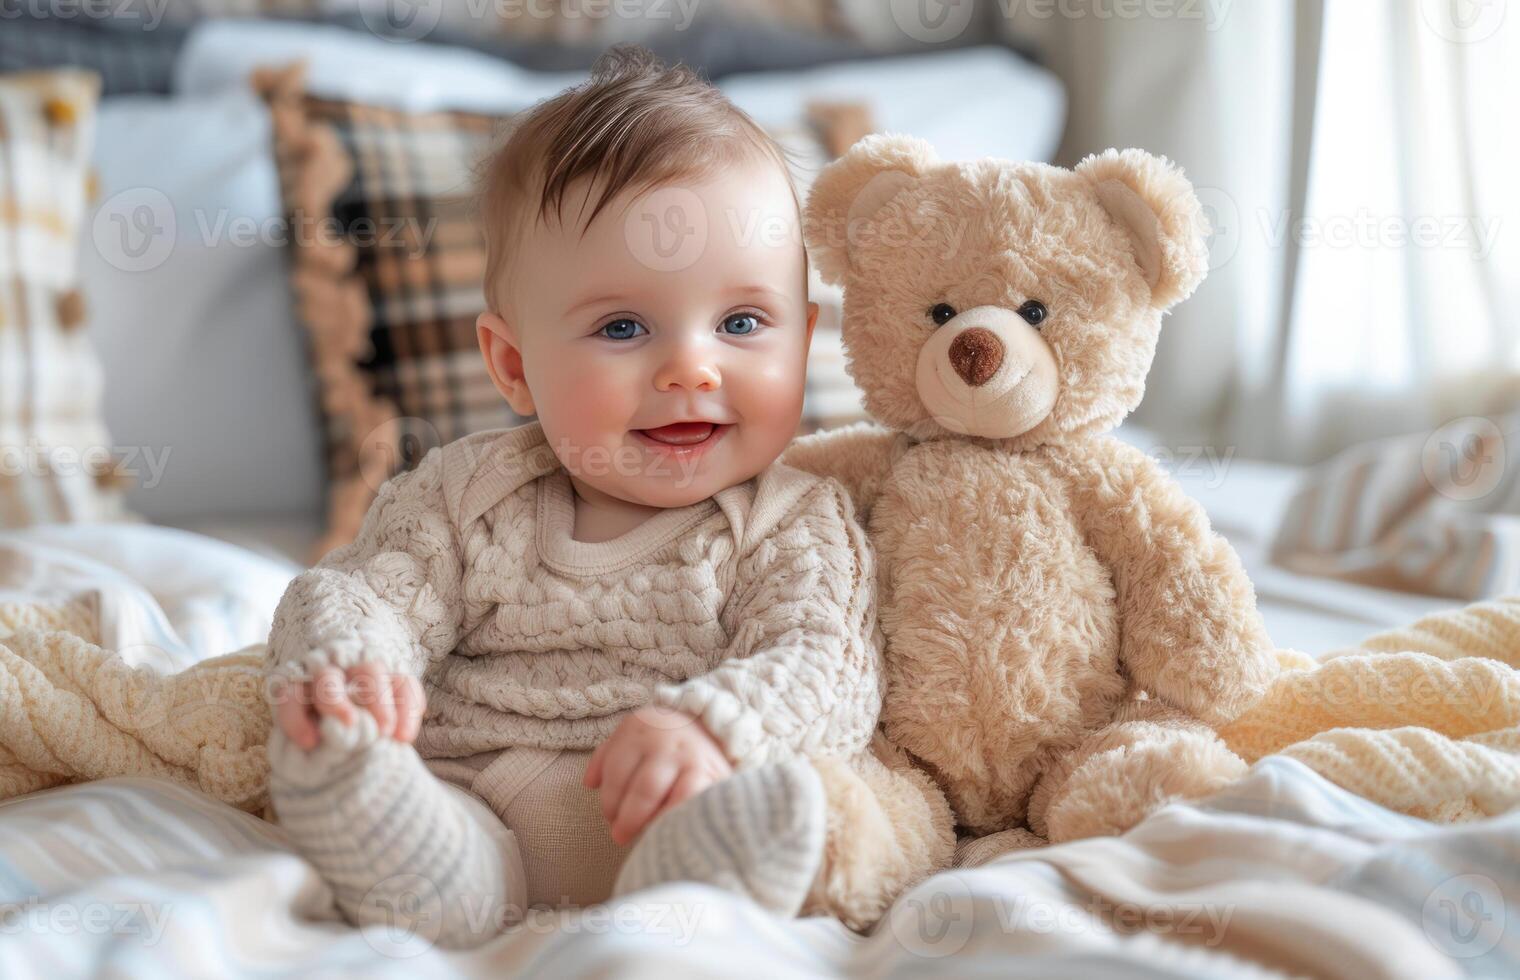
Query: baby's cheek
[[589, 401], [771, 397]]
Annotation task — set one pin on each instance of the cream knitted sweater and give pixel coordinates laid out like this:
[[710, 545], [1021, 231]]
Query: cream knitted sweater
[[752, 610]]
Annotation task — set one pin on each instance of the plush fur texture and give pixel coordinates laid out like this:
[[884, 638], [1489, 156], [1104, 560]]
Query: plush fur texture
[[1063, 628], [888, 827]]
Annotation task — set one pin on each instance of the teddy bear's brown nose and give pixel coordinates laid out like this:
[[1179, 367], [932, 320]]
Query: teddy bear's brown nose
[[975, 355]]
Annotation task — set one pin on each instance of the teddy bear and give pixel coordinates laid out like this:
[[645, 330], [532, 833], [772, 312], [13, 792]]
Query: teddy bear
[[1062, 630]]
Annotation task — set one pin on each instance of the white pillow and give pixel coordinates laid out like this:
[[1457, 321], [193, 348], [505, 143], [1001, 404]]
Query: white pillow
[[345, 64], [205, 365], [970, 103]]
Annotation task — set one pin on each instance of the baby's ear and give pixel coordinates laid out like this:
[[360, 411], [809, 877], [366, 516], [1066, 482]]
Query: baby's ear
[[1150, 198], [853, 188]]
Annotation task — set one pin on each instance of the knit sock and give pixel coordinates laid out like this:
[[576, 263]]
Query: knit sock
[[400, 847], [759, 833]]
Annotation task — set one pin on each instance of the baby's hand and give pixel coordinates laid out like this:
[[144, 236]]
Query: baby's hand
[[653, 760], [396, 701]]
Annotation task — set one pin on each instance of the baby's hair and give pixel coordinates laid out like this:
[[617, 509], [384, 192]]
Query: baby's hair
[[636, 122]]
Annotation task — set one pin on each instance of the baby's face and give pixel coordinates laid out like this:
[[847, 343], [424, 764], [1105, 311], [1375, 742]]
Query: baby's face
[[664, 349]]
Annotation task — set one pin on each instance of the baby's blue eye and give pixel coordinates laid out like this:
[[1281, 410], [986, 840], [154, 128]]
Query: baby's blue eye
[[624, 329], [741, 323]]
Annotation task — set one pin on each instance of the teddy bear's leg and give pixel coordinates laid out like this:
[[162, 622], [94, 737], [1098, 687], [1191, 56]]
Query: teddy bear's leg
[[888, 827], [1148, 756]]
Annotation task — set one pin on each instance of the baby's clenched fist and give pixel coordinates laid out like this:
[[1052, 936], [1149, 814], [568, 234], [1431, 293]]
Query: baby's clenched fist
[[395, 700], [653, 760]]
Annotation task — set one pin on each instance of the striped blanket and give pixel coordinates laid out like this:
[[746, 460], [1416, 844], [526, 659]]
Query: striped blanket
[[1436, 513]]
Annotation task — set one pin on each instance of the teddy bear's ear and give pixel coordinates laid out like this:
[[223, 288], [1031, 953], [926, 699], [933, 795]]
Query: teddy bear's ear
[[853, 188], [1155, 204]]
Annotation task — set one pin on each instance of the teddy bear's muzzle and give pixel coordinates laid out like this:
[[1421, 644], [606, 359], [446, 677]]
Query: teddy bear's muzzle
[[986, 372], [975, 354]]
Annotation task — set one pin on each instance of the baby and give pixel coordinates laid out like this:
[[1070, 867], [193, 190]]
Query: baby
[[619, 606]]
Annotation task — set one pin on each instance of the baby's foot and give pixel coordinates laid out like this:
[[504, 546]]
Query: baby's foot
[[340, 747], [758, 833], [399, 846]]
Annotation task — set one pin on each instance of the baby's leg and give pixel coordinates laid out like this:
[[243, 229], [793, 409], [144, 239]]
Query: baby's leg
[[760, 832], [400, 847], [834, 837], [568, 855]]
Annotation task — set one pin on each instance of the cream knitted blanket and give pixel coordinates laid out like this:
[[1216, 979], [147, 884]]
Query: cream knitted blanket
[[72, 711], [1424, 720]]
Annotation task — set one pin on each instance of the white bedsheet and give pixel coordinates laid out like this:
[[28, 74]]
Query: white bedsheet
[[1282, 874], [163, 596]]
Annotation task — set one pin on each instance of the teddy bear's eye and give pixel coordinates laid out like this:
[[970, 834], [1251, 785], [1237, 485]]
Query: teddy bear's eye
[[1033, 312], [942, 313]]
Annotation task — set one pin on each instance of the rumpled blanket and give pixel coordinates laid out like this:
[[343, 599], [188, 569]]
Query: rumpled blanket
[[1424, 720]]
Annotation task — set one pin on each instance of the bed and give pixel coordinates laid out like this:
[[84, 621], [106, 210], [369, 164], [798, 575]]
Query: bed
[[1282, 874]]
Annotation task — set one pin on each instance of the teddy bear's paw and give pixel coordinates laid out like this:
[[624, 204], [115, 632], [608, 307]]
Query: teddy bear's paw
[[1113, 790]]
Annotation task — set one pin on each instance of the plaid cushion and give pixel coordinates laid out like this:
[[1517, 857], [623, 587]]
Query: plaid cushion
[[56, 458], [388, 271]]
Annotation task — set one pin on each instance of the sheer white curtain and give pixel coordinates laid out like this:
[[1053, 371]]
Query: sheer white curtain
[[1358, 160], [1405, 304]]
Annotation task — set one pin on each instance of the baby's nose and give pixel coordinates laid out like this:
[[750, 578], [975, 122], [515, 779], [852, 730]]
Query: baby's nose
[[693, 375], [975, 354]]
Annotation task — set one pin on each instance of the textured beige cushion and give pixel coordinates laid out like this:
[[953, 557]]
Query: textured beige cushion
[[56, 458]]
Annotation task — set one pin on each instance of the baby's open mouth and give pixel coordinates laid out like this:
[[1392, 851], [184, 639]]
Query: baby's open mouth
[[683, 433]]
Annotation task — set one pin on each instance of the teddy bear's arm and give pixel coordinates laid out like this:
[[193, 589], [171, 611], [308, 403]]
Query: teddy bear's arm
[[1190, 633], [858, 455]]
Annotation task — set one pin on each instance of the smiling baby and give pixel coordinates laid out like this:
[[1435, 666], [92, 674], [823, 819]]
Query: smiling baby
[[544, 638]]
